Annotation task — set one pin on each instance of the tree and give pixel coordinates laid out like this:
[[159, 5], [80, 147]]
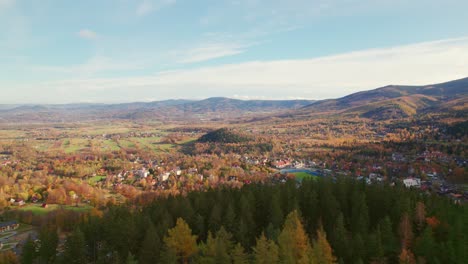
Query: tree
[[275, 212], [29, 252], [131, 259], [293, 242], [238, 255], [265, 251], [425, 246], [151, 247], [390, 244], [8, 257], [340, 239], [49, 241], [420, 215], [322, 251], [75, 251], [180, 240], [406, 257], [406, 231], [217, 248]]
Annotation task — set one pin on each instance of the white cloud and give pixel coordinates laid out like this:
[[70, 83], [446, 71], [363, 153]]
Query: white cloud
[[211, 51], [317, 78], [87, 34], [147, 6]]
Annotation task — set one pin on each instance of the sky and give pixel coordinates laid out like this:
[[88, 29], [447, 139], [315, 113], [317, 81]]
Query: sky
[[112, 51]]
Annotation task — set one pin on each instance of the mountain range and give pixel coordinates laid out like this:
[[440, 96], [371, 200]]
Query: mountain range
[[389, 102]]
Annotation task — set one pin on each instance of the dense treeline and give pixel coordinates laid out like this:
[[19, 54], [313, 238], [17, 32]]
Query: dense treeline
[[223, 135], [317, 222]]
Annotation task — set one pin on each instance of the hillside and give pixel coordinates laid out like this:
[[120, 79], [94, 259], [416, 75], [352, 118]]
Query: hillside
[[223, 135], [396, 101]]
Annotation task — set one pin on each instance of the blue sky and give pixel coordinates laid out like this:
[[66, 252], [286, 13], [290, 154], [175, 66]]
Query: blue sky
[[55, 51]]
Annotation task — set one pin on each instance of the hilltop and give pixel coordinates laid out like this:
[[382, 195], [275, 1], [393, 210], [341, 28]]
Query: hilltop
[[398, 101]]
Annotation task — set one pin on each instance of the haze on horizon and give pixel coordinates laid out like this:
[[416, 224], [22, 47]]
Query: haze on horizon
[[146, 50]]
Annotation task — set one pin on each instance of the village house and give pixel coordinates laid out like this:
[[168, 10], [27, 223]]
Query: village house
[[281, 164], [8, 226], [412, 182], [164, 176]]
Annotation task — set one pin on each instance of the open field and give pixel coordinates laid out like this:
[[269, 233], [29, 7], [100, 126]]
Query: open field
[[90, 137], [302, 175], [95, 179], [37, 209]]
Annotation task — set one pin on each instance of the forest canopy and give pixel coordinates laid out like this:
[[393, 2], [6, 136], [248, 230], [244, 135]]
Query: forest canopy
[[318, 221]]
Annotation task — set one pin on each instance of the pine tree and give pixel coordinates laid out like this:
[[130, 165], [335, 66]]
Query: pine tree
[[293, 242], [426, 246], [131, 259], [230, 218], [275, 212], [322, 251], [181, 241], [49, 242], [215, 219], [238, 255], [265, 251], [151, 247], [340, 239], [406, 257], [406, 231], [29, 252], [75, 251], [375, 249], [358, 247], [420, 215], [217, 247], [390, 244]]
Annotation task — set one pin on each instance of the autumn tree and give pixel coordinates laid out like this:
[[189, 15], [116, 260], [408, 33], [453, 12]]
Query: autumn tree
[[217, 247], [265, 251], [8, 257], [238, 255], [322, 251], [406, 231], [420, 215], [181, 241], [294, 245], [406, 257]]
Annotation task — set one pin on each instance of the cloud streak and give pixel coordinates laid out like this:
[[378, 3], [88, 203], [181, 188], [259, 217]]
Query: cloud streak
[[87, 34], [316, 78], [211, 51], [148, 6]]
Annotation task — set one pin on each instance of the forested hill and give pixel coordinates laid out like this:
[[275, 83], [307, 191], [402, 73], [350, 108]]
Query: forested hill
[[320, 221], [399, 101]]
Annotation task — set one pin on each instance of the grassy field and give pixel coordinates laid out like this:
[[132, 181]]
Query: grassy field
[[72, 138], [302, 175], [95, 179], [73, 145], [37, 209]]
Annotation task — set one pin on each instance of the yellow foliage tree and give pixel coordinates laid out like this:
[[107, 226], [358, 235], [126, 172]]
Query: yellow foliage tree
[[180, 240], [322, 251], [293, 241]]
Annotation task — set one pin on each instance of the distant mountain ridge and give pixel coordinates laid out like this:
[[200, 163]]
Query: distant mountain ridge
[[216, 107], [397, 101], [389, 102]]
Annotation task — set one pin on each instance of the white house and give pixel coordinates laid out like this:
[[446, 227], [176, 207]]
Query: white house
[[412, 182]]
